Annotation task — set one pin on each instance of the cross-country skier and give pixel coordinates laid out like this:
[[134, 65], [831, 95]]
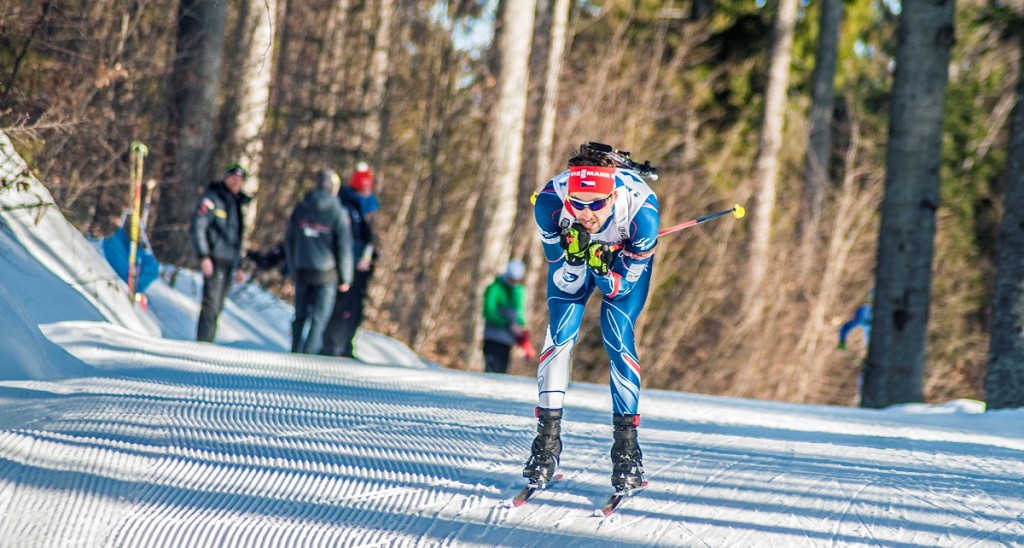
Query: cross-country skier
[[582, 213]]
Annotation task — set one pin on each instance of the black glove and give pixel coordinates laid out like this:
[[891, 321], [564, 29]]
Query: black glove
[[574, 240], [599, 258]]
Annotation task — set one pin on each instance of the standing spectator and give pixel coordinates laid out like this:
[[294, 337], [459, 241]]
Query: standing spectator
[[217, 237], [361, 204], [503, 316], [318, 248]]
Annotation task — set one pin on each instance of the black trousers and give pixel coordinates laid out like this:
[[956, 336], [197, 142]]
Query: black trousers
[[496, 357], [339, 337], [215, 290]]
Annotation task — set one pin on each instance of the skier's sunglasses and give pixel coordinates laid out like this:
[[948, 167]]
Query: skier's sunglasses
[[594, 205]]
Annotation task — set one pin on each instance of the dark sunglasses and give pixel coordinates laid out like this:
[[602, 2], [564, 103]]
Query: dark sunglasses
[[594, 205]]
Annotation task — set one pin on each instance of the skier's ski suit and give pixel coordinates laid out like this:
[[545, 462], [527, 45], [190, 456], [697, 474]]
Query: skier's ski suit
[[634, 224]]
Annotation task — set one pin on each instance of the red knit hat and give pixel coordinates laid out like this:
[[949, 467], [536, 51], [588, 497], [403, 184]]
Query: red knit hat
[[600, 180], [362, 178]]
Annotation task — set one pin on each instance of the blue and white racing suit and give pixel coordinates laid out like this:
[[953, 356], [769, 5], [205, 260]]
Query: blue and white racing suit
[[633, 224]]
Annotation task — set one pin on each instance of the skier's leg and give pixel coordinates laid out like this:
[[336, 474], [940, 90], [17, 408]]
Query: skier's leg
[[566, 313], [618, 322]]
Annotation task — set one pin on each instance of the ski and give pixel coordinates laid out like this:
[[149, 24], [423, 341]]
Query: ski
[[532, 488], [612, 505]]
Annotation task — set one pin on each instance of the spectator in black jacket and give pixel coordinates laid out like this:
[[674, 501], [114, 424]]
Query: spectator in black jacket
[[318, 247], [361, 204], [217, 237]]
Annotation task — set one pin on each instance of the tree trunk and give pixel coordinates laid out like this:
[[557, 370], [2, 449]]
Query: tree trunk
[[195, 81], [1004, 381], [534, 253], [255, 96], [377, 78], [502, 171], [894, 369], [819, 142], [767, 171], [327, 91]]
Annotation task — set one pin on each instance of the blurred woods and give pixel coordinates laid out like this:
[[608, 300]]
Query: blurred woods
[[415, 89]]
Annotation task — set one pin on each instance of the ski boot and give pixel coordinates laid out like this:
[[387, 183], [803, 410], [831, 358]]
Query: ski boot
[[627, 460], [547, 447]]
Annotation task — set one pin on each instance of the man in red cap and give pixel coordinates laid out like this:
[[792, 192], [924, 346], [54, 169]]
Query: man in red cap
[[599, 225], [361, 204]]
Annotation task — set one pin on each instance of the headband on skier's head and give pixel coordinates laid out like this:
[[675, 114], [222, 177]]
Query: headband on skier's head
[[596, 179]]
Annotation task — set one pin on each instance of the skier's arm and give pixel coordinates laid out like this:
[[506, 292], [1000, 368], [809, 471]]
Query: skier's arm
[[547, 210], [636, 253]]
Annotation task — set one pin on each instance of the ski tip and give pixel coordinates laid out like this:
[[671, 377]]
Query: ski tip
[[518, 503]]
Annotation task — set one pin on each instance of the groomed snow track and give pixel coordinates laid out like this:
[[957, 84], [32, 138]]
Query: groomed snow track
[[180, 444]]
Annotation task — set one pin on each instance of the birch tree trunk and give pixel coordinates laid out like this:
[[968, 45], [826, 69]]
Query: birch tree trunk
[[894, 369], [501, 175], [1004, 381], [254, 98], [536, 267], [766, 173], [819, 142], [370, 144], [195, 81]]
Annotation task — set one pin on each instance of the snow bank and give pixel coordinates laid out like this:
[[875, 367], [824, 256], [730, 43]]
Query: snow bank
[[31, 217]]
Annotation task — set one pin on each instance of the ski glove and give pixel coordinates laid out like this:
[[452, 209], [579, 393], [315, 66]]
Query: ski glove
[[599, 258], [575, 240]]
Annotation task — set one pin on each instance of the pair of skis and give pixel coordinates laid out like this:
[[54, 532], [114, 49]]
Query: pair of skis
[[608, 509]]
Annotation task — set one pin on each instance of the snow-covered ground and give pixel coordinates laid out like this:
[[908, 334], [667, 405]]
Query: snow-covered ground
[[117, 430]]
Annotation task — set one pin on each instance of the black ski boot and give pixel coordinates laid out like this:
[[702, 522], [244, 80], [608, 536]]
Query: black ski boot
[[627, 460], [547, 446]]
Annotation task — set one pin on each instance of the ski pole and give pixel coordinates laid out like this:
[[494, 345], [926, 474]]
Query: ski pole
[[736, 210], [139, 152]]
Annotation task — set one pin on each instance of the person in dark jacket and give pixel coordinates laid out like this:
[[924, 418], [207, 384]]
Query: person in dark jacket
[[361, 204], [504, 321], [318, 248], [217, 237]]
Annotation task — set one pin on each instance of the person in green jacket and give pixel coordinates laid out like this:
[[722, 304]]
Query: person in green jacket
[[504, 323]]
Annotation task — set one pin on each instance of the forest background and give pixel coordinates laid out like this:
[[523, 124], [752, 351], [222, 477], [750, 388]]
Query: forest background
[[421, 91]]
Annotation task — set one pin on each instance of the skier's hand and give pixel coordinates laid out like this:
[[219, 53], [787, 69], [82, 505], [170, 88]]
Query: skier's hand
[[574, 240], [599, 258], [343, 287]]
